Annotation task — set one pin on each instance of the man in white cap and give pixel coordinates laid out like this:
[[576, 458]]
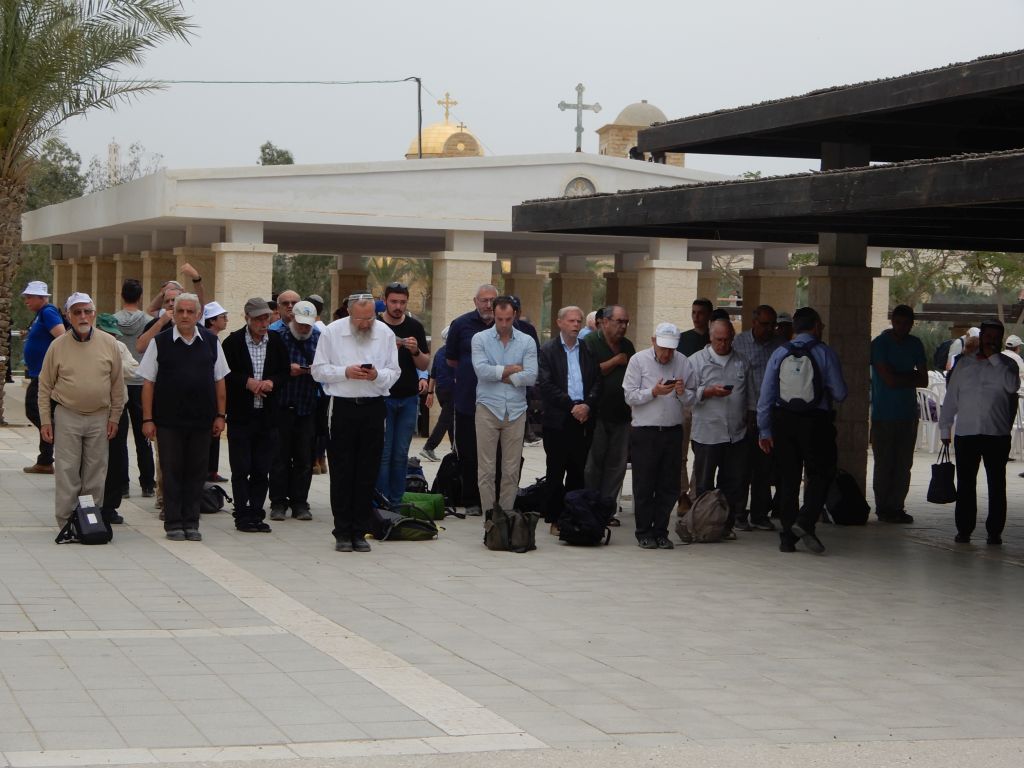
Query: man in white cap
[[1012, 351], [659, 386], [46, 326], [82, 375], [959, 345], [215, 320], [292, 470]]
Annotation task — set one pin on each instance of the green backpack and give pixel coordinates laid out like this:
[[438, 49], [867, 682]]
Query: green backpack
[[424, 506]]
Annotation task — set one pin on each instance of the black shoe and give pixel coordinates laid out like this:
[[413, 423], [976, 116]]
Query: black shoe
[[994, 541], [962, 538], [176, 535], [896, 517], [148, 493], [646, 542], [343, 546], [191, 534], [762, 524], [125, 491], [742, 525], [252, 527], [787, 542], [614, 522], [360, 545], [809, 540], [664, 543], [729, 535], [302, 514], [112, 517], [474, 511], [278, 513]]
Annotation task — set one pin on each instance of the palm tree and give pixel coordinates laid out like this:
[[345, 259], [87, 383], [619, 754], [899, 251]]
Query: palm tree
[[58, 60]]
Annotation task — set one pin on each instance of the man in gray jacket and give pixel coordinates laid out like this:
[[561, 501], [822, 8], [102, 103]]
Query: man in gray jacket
[[725, 396], [131, 322]]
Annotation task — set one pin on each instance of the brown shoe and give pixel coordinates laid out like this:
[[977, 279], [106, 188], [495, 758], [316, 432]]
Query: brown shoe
[[323, 465], [39, 469]]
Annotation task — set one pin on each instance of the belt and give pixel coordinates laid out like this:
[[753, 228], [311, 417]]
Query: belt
[[360, 400], [673, 428]]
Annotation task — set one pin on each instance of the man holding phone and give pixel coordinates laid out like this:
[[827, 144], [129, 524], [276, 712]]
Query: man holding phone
[[725, 397]]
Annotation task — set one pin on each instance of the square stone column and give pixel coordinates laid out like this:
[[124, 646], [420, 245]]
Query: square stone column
[[774, 287], [843, 297], [104, 290], [76, 282], [61, 287], [666, 289], [157, 268], [202, 259], [126, 265], [457, 276], [707, 287], [242, 271], [345, 282], [530, 290], [570, 289], [621, 288], [880, 303]]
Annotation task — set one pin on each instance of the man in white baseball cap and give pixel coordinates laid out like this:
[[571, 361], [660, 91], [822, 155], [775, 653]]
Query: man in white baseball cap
[[659, 386], [1012, 350], [46, 326]]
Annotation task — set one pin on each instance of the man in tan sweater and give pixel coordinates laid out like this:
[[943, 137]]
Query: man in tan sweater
[[83, 380]]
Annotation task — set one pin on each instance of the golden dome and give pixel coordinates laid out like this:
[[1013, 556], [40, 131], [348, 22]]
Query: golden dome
[[446, 140]]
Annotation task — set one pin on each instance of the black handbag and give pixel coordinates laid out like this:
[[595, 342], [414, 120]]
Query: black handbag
[[942, 488]]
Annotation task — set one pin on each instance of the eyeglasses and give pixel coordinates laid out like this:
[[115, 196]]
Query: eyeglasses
[[616, 320], [286, 303], [85, 312]]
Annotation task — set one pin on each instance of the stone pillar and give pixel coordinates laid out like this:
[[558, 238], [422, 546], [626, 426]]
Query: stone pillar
[[843, 297], [127, 265], [775, 287], [621, 288], [241, 271], [104, 289], [157, 268], [529, 287], [78, 276], [880, 302], [457, 275], [348, 278], [666, 289], [707, 286], [202, 259], [570, 289], [61, 279]]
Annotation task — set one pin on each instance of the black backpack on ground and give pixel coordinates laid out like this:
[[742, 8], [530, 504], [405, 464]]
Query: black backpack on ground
[[213, 498], [85, 526], [448, 481], [845, 503], [584, 518], [415, 481], [533, 497]]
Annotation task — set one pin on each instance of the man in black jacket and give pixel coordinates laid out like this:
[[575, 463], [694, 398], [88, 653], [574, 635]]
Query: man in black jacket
[[569, 382], [259, 368]]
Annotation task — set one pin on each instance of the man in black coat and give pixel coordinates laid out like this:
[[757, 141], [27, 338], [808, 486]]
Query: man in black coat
[[569, 382], [259, 368]]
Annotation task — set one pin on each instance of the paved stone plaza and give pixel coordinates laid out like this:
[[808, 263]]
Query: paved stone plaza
[[894, 649]]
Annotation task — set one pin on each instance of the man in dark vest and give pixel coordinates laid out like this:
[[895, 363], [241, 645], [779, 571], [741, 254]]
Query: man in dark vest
[[183, 400]]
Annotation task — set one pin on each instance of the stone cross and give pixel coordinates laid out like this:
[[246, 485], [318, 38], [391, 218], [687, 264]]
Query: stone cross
[[579, 106], [447, 102]]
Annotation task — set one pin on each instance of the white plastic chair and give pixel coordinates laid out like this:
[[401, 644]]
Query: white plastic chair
[[939, 388], [1018, 430], [930, 405]]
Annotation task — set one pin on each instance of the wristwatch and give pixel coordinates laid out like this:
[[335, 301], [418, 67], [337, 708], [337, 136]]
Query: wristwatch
[[221, 416]]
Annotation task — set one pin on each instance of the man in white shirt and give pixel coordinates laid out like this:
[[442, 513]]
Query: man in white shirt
[[658, 386], [981, 397], [356, 361], [1012, 351]]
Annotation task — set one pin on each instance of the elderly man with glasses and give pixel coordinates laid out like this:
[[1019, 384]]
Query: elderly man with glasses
[[81, 396]]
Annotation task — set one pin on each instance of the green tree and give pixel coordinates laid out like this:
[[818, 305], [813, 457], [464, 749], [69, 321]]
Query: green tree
[[60, 60], [271, 155], [381, 270], [1001, 273], [921, 273], [140, 162]]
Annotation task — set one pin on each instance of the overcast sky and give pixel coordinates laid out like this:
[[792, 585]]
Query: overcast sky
[[509, 64]]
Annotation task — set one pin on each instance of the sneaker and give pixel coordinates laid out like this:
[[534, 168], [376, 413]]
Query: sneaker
[[663, 543], [729, 536], [646, 542], [126, 491], [474, 511], [343, 546], [429, 455], [193, 535], [742, 524], [277, 513], [216, 477], [809, 540], [896, 517], [253, 527], [764, 524], [994, 541], [302, 514], [962, 538], [148, 493], [361, 545], [39, 469], [787, 542], [176, 535]]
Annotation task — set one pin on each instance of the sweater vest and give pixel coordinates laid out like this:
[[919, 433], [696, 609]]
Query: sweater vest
[[184, 395]]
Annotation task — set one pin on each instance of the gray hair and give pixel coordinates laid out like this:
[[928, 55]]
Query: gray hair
[[566, 310], [486, 287], [721, 321], [188, 297]]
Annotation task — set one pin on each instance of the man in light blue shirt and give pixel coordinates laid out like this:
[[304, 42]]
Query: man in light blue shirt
[[505, 363]]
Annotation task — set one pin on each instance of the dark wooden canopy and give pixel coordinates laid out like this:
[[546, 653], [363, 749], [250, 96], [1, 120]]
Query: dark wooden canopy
[[973, 107], [973, 202]]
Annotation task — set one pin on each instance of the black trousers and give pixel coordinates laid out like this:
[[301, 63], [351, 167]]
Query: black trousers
[[804, 442], [757, 492], [354, 450], [657, 458], [292, 471], [565, 459], [32, 413], [971, 450], [143, 450], [445, 422], [116, 454], [465, 443], [183, 465], [252, 445], [722, 466]]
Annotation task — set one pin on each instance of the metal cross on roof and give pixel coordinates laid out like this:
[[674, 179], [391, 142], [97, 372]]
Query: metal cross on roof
[[447, 102], [579, 106]]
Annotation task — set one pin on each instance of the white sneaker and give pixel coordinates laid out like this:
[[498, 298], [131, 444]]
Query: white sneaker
[[429, 455]]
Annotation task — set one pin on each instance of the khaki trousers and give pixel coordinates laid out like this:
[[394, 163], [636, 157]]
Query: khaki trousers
[[490, 433], [79, 459]]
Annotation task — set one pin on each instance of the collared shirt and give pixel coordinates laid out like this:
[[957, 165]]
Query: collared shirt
[[339, 348], [490, 357], [459, 350], [258, 355], [901, 356], [981, 396], [831, 374], [642, 374], [757, 355], [721, 419], [612, 404], [150, 363], [575, 384], [300, 392]]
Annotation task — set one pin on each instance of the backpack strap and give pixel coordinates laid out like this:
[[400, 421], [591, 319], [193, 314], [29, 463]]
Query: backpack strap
[[68, 534]]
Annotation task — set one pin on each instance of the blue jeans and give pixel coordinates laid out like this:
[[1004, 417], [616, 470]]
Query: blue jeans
[[394, 461]]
